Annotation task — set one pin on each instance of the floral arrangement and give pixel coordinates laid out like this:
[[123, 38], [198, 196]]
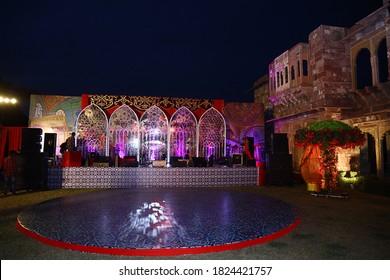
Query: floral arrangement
[[328, 135]]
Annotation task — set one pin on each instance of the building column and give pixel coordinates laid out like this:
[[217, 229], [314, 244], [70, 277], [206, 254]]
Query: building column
[[374, 64], [378, 152]]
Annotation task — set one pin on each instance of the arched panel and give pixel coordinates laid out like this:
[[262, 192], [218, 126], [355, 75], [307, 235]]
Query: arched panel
[[123, 132], [153, 135], [212, 134], [91, 127], [183, 133], [383, 66], [363, 69]]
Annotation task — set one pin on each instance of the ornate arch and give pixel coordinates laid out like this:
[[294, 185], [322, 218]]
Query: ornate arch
[[91, 129], [153, 135], [212, 134], [183, 133], [123, 132]]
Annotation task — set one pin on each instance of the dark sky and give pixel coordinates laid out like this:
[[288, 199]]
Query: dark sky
[[200, 49]]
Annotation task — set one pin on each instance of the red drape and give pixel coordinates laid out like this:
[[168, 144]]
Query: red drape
[[14, 140], [3, 139]]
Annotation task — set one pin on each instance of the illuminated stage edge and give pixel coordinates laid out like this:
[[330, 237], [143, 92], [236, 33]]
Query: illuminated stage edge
[[158, 221], [146, 177]]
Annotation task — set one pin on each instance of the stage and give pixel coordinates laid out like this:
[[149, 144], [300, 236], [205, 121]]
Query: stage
[[158, 221], [146, 177]]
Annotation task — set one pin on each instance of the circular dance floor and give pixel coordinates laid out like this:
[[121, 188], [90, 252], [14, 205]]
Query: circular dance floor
[[157, 222]]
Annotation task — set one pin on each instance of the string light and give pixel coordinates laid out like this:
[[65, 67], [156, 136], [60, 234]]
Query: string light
[[7, 100]]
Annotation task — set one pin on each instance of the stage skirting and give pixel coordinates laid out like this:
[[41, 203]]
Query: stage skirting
[[141, 177]]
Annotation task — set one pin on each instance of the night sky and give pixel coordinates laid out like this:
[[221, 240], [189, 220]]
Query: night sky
[[200, 49]]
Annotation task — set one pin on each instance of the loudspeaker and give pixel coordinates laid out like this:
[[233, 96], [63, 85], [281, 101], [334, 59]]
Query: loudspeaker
[[34, 166], [280, 176], [199, 162], [278, 161], [50, 144], [31, 140], [101, 162], [279, 143], [279, 169], [159, 163], [130, 161], [251, 145], [237, 159]]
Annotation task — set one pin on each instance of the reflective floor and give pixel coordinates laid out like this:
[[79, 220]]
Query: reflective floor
[[158, 221]]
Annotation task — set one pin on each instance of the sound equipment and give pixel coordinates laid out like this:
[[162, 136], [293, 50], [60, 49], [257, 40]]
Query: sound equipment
[[31, 140], [159, 163], [237, 159], [279, 169], [130, 161], [279, 143], [199, 162], [34, 170], [178, 162], [101, 162], [50, 145]]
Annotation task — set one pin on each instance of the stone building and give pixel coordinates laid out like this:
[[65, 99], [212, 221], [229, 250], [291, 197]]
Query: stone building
[[341, 74]]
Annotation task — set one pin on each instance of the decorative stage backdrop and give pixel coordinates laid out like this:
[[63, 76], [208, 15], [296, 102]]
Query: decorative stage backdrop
[[150, 128]]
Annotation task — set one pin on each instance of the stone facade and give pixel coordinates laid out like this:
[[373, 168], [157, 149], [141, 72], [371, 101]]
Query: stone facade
[[320, 80]]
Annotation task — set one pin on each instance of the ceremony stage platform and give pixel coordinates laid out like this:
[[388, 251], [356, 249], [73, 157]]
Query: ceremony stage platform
[[146, 177], [158, 221]]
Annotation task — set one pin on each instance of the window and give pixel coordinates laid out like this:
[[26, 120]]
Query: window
[[304, 66], [292, 73], [286, 73]]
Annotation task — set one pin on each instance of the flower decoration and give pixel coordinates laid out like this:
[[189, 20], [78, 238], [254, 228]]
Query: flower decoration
[[328, 135]]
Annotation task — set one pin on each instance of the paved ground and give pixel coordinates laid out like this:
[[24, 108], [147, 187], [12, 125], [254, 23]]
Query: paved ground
[[332, 228]]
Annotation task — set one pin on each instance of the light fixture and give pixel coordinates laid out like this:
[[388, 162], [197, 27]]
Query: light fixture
[[7, 100]]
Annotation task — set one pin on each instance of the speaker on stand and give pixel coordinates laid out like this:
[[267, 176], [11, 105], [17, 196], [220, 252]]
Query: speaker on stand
[[31, 140], [279, 161], [50, 145]]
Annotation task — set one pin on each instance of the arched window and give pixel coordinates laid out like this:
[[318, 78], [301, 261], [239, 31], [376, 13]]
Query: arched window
[[383, 62], [212, 134], [124, 129], [286, 74], [292, 73], [183, 133], [153, 135], [91, 129], [363, 69]]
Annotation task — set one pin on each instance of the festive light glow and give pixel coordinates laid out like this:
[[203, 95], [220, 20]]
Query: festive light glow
[[7, 100]]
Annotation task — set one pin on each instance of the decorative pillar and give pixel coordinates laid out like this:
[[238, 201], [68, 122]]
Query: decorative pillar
[[374, 64], [378, 152]]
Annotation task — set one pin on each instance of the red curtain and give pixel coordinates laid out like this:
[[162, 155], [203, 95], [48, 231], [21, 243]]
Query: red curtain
[[3, 140], [14, 140]]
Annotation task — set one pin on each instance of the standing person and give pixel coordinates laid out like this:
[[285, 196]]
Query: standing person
[[70, 143], [10, 169]]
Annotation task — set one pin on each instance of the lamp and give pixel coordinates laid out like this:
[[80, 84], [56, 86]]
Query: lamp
[[348, 175]]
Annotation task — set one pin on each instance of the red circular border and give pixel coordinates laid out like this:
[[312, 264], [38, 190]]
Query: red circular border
[[158, 251]]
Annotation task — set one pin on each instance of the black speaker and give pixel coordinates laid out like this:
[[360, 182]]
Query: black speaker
[[279, 169], [251, 145], [101, 161], [237, 159], [278, 161], [279, 143], [31, 140], [50, 144], [199, 162], [34, 168], [130, 161], [280, 176]]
